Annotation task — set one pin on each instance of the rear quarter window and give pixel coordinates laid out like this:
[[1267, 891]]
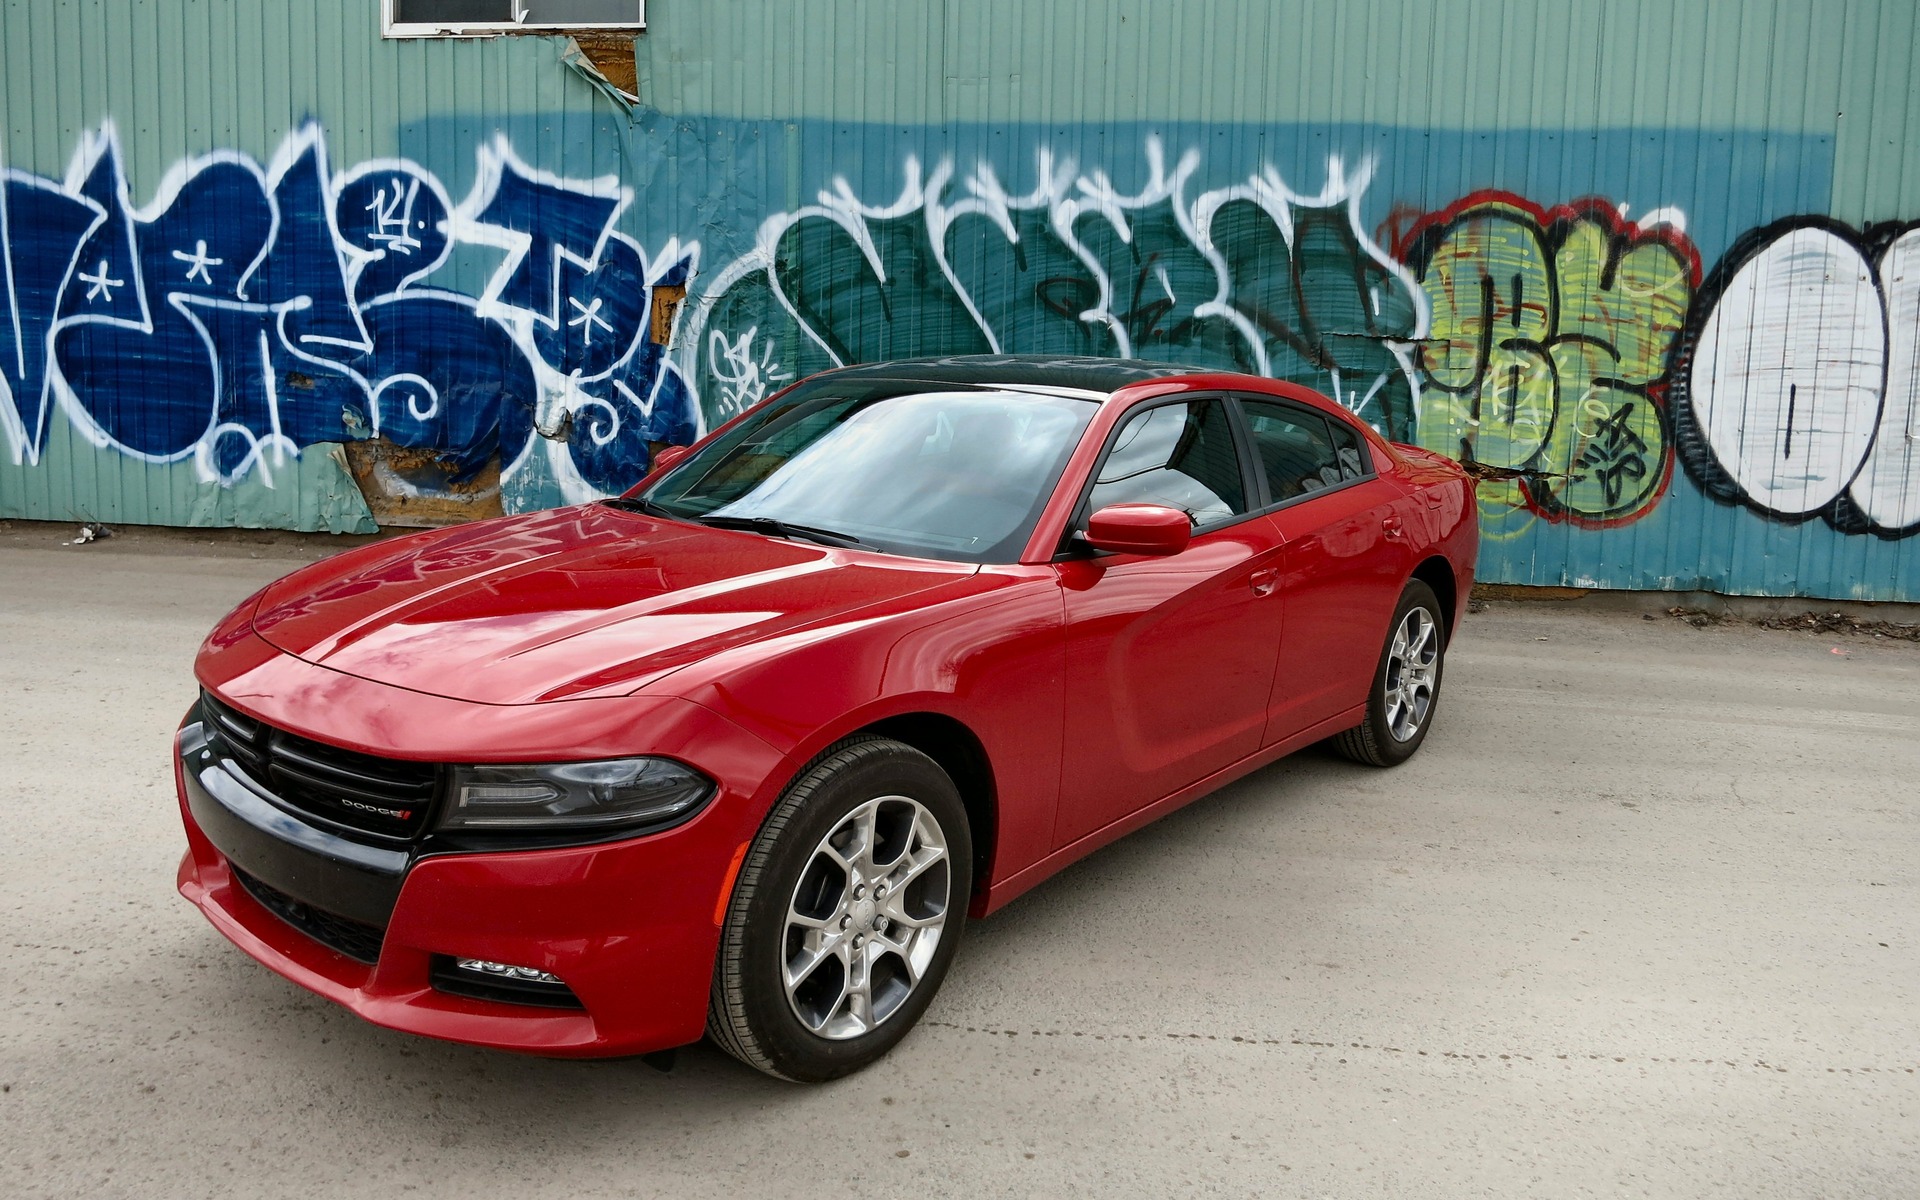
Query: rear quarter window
[[1302, 451]]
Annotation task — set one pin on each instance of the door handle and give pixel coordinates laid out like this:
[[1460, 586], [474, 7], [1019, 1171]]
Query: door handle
[[1391, 527], [1265, 581]]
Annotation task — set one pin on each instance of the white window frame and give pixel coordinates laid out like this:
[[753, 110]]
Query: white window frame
[[391, 29]]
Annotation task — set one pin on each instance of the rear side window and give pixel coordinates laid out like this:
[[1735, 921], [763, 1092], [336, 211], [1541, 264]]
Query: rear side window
[[1349, 449], [1301, 451], [1180, 455]]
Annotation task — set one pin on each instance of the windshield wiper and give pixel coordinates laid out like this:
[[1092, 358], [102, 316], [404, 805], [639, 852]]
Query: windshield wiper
[[778, 528], [769, 525], [641, 504]]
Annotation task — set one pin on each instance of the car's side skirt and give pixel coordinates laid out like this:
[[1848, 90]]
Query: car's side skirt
[[999, 893]]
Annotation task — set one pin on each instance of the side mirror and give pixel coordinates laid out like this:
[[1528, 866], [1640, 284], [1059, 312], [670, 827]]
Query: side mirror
[[669, 457], [1152, 529]]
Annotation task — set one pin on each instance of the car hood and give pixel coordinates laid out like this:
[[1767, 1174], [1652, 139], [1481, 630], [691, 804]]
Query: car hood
[[571, 603]]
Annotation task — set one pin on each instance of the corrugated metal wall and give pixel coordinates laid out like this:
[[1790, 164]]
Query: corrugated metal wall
[[1648, 264]]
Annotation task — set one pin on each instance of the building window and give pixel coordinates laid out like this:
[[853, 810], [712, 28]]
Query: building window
[[468, 18]]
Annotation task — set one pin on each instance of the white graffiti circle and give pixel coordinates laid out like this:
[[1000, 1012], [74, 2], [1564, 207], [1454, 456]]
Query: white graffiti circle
[[1887, 490], [1786, 381]]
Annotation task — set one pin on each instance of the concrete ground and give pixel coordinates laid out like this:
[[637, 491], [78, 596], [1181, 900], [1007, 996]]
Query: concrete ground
[[1639, 920]]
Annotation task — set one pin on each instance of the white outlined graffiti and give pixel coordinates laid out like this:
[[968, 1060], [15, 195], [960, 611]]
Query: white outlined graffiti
[[247, 312], [44, 228], [1253, 277], [1887, 490]]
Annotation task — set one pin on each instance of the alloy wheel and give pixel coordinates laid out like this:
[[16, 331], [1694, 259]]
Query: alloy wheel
[[1412, 665], [866, 917]]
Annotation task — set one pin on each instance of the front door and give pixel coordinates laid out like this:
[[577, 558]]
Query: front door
[[1169, 660]]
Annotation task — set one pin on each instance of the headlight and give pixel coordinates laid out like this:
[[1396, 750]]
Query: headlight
[[588, 796]]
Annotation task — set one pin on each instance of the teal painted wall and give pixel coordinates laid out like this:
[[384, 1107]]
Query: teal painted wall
[[1648, 263]]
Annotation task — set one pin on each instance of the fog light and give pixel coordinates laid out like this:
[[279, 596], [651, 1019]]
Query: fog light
[[481, 966], [504, 983]]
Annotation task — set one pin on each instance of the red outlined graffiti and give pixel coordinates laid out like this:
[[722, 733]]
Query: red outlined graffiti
[[1551, 348]]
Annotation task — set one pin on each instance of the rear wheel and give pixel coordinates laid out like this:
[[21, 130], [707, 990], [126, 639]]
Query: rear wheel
[[845, 918], [1406, 684]]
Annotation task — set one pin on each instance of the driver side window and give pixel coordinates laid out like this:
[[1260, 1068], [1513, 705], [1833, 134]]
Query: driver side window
[[1181, 455]]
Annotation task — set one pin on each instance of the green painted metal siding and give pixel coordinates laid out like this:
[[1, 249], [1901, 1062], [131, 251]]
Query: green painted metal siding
[[1835, 67], [184, 76]]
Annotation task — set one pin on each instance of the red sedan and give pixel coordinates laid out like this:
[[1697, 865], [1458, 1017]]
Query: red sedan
[[740, 753]]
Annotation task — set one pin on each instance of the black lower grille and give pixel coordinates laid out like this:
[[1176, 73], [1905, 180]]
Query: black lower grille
[[351, 938], [357, 793]]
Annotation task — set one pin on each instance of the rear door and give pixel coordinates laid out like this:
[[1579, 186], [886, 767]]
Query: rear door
[[1346, 558], [1169, 660]]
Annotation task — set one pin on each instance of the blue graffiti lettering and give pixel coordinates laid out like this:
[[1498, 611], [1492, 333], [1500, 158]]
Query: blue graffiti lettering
[[41, 234], [247, 313]]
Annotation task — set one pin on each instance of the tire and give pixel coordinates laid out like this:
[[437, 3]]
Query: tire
[[795, 919], [1398, 718]]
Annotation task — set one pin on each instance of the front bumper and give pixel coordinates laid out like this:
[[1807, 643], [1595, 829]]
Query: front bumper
[[629, 926]]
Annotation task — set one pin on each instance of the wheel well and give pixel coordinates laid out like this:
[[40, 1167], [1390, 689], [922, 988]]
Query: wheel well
[[1438, 575], [960, 754]]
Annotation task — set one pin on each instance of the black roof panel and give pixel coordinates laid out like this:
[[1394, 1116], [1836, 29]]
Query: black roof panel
[[1034, 370]]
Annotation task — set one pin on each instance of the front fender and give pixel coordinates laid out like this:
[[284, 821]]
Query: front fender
[[993, 661]]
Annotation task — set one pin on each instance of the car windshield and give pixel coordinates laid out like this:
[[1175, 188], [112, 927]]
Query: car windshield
[[932, 471]]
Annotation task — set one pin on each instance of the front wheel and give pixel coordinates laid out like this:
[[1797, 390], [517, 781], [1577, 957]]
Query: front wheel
[[1406, 684], [847, 911]]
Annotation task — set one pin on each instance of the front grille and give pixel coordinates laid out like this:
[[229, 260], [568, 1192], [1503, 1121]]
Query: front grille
[[385, 797], [351, 938]]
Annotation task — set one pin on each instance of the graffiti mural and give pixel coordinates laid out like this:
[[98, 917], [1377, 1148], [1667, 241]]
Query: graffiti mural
[[518, 340], [1800, 390], [1535, 343], [249, 312], [1552, 338], [1252, 277]]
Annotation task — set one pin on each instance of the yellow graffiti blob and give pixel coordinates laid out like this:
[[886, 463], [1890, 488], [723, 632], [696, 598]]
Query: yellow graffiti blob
[[1550, 341]]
